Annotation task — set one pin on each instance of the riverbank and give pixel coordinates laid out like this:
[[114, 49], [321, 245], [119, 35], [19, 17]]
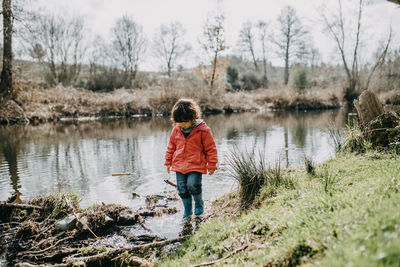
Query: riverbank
[[346, 213], [41, 105]]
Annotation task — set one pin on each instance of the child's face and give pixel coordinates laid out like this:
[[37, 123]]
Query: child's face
[[185, 124]]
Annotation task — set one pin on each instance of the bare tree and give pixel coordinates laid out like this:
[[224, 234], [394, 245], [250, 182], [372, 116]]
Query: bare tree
[[380, 59], [169, 44], [246, 40], [262, 34], [213, 43], [337, 29], [6, 72], [290, 39], [59, 45], [129, 44]]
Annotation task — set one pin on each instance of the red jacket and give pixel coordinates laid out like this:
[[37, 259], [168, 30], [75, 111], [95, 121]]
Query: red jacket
[[196, 153]]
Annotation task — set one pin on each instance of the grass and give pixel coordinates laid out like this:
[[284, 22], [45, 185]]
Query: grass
[[38, 104], [252, 174], [345, 215]]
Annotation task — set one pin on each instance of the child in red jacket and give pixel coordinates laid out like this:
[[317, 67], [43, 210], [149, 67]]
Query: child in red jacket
[[191, 152]]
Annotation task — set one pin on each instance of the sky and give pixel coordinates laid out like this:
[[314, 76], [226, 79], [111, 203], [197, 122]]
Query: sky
[[101, 15]]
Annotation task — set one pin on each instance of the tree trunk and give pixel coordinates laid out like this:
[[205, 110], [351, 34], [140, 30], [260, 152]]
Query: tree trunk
[[6, 73], [286, 71], [368, 107]]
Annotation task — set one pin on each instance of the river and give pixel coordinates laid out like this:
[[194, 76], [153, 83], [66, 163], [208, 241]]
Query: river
[[81, 156]]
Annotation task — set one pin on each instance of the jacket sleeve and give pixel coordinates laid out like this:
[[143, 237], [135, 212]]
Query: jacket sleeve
[[210, 149], [170, 149]]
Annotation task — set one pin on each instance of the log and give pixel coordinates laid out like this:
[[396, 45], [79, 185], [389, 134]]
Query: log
[[368, 107]]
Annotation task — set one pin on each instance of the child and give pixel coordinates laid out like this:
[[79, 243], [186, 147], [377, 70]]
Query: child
[[191, 152]]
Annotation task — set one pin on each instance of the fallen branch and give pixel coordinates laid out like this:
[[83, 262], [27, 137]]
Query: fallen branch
[[223, 258], [170, 183], [20, 206], [111, 253]]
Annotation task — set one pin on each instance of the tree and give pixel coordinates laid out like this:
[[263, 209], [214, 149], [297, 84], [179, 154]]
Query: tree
[[213, 43], [169, 44], [129, 44], [337, 30], [246, 40], [290, 39], [262, 31], [6, 72], [58, 44]]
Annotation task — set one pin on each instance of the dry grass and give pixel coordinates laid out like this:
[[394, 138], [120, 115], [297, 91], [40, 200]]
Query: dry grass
[[39, 104]]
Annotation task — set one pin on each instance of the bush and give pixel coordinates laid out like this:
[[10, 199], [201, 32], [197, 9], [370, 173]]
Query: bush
[[300, 81], [232, 77], [105, 80], [250, 82]]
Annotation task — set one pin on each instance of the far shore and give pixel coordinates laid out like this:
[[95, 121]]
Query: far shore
[[60, 103]]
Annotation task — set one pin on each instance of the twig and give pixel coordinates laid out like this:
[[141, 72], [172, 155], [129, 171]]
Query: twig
[[118, 174], [223, 258], [170, 183], [77, 218], [141, 222], [113, 252], [32, 253]]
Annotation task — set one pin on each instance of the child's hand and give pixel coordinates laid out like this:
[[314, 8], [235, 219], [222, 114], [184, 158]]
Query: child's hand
[[168, 168], [210, 171]]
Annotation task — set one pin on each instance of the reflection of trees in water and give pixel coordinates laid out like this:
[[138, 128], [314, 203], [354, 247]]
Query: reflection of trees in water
[[10, 155], [300, 133], [9, 144], [80, 154]]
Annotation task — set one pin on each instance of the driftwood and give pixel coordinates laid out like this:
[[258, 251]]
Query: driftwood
[[19, 206], [170, 183], [112, 253], [221, 259], [368, 107]]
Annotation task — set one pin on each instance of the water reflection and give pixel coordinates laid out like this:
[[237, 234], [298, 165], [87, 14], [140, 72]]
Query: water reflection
[[81, 156]]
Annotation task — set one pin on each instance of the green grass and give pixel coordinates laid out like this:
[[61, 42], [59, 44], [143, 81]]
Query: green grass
[[347, 214]]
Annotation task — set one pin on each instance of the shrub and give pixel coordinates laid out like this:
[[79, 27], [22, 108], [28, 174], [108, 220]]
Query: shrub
[[232, 77], [300, 81], [250, 82]]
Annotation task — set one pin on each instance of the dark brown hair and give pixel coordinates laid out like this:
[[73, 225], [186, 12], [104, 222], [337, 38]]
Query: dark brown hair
[[185, 110]]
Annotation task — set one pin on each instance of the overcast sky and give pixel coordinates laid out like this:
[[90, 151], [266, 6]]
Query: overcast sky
[[101, 15]]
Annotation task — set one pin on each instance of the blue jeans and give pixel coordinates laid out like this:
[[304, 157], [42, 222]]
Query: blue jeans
[[188, 184]]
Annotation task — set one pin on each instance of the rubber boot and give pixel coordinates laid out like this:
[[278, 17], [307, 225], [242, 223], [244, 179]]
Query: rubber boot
[[187, 204], [198, 204]]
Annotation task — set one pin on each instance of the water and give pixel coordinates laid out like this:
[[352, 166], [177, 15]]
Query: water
[[81, 156]]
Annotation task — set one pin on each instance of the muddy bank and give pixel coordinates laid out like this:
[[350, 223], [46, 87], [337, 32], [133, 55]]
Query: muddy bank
[[44, 105], [55, 230]]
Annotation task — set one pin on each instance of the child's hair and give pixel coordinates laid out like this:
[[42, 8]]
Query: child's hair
[[185, 110]]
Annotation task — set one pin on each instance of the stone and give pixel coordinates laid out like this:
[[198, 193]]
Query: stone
[[66, 223]]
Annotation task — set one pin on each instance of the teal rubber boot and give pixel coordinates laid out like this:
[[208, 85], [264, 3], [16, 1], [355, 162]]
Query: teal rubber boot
[[187, 204], [198, 204]]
